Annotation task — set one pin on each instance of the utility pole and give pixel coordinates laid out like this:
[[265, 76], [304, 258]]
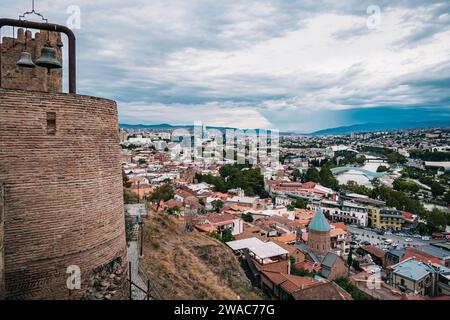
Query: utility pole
[[141, 226], [139, 193]]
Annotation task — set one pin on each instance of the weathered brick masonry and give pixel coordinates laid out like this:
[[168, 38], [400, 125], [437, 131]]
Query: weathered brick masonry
[[2, 261], [63, 201], [36, 79]]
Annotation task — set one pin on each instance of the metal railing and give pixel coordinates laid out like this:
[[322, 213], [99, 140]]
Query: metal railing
[[49, 27]]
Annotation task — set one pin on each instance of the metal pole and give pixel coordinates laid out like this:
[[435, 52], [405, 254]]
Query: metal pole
[[129, 276], [141, 225], [54, 28], [139, 193]]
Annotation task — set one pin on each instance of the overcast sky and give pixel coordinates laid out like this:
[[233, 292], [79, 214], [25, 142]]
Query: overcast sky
[[289, 65]]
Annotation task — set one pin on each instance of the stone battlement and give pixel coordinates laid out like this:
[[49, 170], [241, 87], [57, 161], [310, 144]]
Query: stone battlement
[[34, 79]]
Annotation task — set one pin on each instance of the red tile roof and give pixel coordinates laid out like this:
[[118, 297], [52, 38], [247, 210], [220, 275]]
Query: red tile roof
[[374, 250], [290, 283]]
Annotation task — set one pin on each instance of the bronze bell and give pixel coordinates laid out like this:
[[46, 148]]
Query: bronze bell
[[59, 43], [25, 60], [48, 58]]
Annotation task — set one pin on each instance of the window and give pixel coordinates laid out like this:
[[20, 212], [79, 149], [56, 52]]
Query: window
[[51, 123]]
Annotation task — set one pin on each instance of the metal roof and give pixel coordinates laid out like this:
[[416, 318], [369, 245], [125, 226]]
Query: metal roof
[[412, 269], [259, 248], [319, 222], [267, 250], [244, 243], [437, 252], [329, 259]]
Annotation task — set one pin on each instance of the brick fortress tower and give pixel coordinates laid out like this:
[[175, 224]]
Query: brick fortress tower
[[61, 195]]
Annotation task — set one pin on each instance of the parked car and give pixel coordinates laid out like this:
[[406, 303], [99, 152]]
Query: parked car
[[425, 238], [408, 239]]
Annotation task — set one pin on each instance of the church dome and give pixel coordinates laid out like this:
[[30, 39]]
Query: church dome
[[319, 222]]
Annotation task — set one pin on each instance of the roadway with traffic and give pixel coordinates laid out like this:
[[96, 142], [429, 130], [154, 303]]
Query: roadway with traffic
[[379, 240]]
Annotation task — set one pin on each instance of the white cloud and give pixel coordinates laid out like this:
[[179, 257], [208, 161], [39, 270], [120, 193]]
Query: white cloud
[[257, 63]]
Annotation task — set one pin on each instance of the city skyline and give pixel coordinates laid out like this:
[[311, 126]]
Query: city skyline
[[278, 65]]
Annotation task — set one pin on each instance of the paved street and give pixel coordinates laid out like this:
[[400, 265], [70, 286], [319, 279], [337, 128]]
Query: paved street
[[376, 239], [133, 257]]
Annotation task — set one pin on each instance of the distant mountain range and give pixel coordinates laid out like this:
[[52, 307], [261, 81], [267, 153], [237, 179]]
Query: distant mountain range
[[388, 126], [357, 128], [165, 126]]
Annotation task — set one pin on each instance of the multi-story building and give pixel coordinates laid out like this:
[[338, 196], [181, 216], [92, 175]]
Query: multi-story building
[[391, 219], [415, 276], [386, 219], [345, 211]]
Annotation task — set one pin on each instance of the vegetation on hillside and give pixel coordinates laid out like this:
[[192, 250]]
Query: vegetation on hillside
[[191, 265], [237, 176], [355, 292], [391, 155], [430, 156]]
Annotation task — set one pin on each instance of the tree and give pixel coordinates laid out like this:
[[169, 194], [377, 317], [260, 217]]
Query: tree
[[164, 192], [356, 266], [399, 200], [227, 235], [173, 210], [217, 205], [247, 217], [350, 260], [404, 185], [447, 197], [237, 176], [354, 291], [299, 204], [312, 174], [142, 161], [436, 220], [297, 175], [437, 189], [327, 178], [129, 197], [382, 169]]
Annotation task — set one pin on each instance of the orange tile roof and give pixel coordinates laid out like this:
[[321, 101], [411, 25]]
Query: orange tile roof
[[336, 232], [205, 227], [308, 266], [276, 267], [286, 238], [374, 250], [421, 258], [339, 225], [290, 283]]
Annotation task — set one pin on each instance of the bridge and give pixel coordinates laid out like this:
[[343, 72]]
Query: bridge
[[369, 174]]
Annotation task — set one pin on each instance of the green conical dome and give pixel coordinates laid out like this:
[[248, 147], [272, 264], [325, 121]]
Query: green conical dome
[[319, 222]]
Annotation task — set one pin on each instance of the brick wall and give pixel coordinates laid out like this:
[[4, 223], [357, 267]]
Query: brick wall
[[338, 270], [63, 191], [319, 242], [2, 265], [36, 79]]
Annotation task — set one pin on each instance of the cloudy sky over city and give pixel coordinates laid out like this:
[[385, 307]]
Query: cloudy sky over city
[[289, 65]]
